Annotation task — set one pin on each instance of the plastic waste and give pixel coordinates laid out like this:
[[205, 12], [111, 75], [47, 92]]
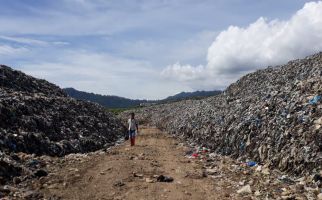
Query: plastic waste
[[195, 155], [251, 163], [163, 178], [315, 100]]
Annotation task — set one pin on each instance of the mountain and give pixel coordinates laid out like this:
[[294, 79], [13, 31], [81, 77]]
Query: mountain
[[105, 100], [272, 116], [121, 102]]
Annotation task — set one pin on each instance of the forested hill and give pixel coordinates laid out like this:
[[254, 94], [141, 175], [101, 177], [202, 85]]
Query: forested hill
[[121, 102], [104, 100]]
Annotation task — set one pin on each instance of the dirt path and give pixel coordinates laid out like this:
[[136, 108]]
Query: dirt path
[[111, 176]]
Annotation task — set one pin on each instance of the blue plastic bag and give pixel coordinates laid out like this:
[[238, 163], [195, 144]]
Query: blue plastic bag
[[315, 100], [251, 163]]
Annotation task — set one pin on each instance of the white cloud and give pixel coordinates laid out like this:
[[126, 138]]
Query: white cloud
[[6, 50], [183, 72], [239, 50], [103, 73], [24, 40], [60, 43], [30, 41]]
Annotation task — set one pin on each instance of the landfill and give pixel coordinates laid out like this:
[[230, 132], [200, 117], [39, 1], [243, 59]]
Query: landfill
[[262, 136], [37, 118], [252, 180], [272, 116]]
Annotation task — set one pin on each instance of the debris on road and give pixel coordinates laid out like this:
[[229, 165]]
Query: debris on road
[[149, 180], [163, 178], [119, 183], [245, 190]]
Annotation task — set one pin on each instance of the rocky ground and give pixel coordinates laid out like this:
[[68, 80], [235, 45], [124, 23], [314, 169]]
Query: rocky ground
[[37, 118]]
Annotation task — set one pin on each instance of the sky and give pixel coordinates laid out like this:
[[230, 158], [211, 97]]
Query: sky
[[150, 49]]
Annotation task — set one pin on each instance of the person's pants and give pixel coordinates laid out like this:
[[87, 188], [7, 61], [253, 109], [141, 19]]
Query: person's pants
[[132, 137]]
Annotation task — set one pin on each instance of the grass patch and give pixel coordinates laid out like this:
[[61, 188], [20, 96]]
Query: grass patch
[[117, 111]]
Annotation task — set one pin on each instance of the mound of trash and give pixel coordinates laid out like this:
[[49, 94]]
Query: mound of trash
[[37, 117], [271, 116]]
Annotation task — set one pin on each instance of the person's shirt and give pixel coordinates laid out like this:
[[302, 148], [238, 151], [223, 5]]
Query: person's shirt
[[132, 124]]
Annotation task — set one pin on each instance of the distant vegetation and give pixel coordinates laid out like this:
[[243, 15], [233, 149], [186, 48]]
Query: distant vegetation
[[104, 100], [117, 111], [191, 95], [118, 104]]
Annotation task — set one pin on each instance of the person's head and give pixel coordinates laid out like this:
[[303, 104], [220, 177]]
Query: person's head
[[132, 115]]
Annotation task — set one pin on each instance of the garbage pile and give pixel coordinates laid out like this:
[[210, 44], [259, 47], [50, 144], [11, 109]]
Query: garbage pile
[[37, 118], [253, 180], [13, 80], [271, 116]]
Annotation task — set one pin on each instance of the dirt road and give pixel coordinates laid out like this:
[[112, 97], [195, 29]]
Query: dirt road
[[128, 173], [125, 172]]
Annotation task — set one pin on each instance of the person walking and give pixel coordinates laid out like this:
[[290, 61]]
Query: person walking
[[133, 128]]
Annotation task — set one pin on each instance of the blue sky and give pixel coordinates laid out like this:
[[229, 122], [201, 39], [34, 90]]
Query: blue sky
[[152, 48]]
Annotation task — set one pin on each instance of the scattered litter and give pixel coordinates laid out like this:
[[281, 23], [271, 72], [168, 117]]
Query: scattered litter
[[195, 155], [40, 173], [286, 179], [251, 163], [149, 180], [315, 100], [317, 177], [119, 184], [137, 175], [163, 178], [245, 190], [319, 196]]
